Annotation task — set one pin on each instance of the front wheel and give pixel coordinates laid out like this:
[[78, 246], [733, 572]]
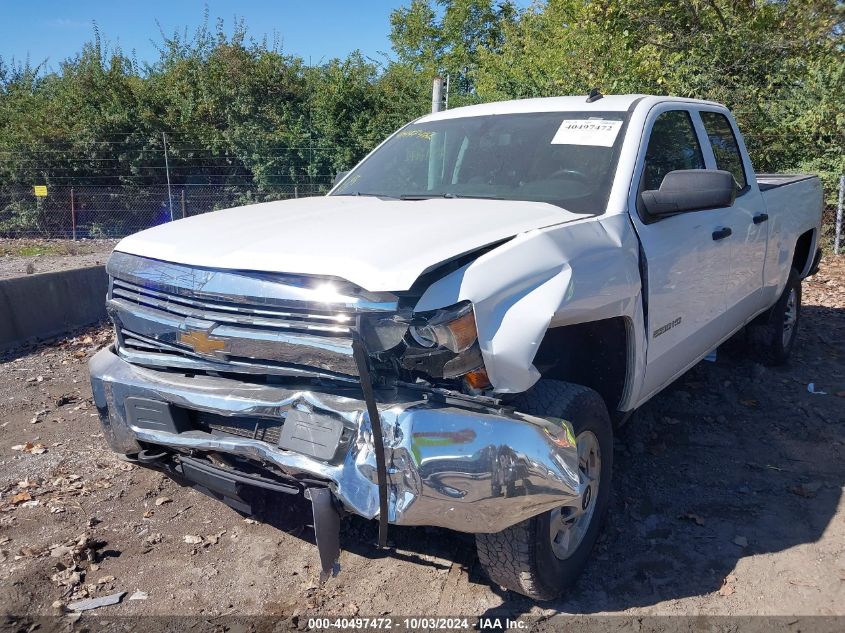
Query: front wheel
[[544, 555]]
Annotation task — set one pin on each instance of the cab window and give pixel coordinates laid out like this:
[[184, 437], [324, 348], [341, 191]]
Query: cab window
[[673, 145], [725, 147]]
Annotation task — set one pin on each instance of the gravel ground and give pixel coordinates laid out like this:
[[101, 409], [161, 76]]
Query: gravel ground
[[727, 500], [29, 256]]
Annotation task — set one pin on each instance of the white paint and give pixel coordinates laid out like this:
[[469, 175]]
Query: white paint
[[608, 103], [582, 271], [377, 243], [715, 287]]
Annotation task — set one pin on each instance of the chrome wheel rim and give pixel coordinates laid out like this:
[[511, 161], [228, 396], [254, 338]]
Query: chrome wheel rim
[[569, 524], [790, 316]]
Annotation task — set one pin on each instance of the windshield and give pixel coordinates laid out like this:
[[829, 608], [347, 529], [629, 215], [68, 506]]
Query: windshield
[[564, 158]]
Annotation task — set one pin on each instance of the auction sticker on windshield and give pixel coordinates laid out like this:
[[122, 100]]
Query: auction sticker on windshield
[[601, 132]]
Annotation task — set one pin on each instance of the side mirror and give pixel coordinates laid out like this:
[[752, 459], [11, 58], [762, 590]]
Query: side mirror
[[690, 190], [340, 176]]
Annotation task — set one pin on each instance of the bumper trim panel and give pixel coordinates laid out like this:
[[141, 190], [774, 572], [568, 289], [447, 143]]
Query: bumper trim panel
[[326, 531]]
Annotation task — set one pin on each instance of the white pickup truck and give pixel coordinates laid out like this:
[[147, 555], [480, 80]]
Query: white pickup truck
[[447, 337]]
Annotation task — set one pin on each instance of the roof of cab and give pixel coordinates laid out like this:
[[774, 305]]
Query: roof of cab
[[608, 103]]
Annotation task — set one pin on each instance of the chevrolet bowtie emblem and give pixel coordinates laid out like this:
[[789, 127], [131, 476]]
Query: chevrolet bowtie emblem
[[201, 342]]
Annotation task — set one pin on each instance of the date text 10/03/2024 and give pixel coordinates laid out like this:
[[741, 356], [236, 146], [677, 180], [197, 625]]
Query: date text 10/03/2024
[[416, 623]]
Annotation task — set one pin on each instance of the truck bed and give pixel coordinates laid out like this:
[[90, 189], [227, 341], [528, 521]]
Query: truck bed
[[772, 181], [794, 202]]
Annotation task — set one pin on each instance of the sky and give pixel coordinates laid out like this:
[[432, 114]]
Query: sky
[[315, 29]]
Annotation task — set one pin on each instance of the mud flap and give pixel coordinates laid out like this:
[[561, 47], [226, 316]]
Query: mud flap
[[326, 531]]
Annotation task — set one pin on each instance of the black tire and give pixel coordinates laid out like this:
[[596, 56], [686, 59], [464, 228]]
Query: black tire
[[767, 340], [521, 557]]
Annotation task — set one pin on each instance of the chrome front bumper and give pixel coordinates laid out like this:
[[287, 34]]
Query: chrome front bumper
[[466, 469]]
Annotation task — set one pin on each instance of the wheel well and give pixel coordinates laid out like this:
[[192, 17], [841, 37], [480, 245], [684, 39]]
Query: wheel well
[[801, 258], [592, 354]]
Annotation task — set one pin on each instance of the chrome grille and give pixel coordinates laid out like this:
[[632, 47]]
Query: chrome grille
[[324, 323], [175, 316]]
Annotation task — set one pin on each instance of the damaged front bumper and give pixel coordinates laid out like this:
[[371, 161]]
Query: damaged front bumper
[[452, 465]]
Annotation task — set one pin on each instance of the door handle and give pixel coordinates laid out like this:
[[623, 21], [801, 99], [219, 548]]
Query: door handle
[[720, 234], [760, 218]]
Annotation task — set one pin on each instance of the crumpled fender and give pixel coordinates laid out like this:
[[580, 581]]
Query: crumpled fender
[[561, 275]]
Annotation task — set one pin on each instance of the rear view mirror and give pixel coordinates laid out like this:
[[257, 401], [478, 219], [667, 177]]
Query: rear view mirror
[[690, 190], [340, 176]]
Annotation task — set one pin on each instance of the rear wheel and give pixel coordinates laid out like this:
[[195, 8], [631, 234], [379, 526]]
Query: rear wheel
[[544, 555], [771, 336]]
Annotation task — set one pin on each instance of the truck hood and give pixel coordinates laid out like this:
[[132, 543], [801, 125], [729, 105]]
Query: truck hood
[[379, 244]]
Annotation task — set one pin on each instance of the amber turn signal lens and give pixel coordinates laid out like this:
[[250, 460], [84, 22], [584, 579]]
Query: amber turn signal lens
[[478, 379], [462, 332]]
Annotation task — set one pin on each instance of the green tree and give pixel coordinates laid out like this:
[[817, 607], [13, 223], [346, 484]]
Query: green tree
[[779, 66], [237, 111], [447, 37]]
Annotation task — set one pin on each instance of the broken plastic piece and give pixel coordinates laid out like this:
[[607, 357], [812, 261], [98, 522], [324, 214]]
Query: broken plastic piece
[[96, 603], [326, 531]]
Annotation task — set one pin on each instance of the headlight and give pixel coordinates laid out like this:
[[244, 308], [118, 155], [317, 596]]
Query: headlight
[[440, 344], [443, 343], [452, 328]]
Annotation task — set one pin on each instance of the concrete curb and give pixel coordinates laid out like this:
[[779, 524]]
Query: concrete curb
[[37, 307]]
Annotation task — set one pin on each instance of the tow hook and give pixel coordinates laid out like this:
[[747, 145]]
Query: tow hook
[[149, 457]]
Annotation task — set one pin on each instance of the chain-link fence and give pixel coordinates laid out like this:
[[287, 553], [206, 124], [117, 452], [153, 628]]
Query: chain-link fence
[[116, 211], [105, 211]]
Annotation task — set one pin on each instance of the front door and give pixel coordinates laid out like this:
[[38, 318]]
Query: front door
[[687, 258]]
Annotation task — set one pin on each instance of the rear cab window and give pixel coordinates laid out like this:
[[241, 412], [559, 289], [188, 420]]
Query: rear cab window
[[725, 146]]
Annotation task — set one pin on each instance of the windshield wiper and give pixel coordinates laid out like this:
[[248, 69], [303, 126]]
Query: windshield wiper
[[429, 196], [363, 193]]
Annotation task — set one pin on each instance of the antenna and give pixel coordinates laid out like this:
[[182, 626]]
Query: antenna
[[594, 95]]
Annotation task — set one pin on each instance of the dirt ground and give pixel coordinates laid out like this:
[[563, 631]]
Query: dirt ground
[[32, 256], [727, 500]]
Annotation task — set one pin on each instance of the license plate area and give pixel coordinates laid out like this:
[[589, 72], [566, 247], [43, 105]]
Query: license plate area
[[312, 434]]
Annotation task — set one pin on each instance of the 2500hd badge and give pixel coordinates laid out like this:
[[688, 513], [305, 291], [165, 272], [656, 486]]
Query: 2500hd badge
[[667, 327]]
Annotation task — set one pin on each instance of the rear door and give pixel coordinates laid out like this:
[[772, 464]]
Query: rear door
[[687, 262], [748, 220]]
